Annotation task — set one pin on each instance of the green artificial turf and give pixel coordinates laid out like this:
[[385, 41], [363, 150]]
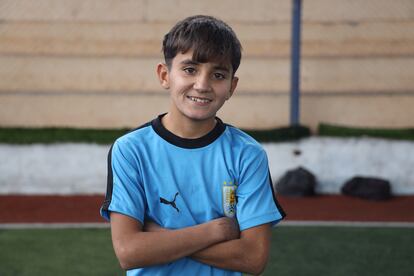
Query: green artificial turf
[[57, 252], [341, 251], [294, 251]]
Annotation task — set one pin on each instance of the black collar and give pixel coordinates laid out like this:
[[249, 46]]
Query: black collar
[[184, 142]]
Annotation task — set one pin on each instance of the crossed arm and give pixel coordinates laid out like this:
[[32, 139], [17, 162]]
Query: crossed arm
[[218, 243]]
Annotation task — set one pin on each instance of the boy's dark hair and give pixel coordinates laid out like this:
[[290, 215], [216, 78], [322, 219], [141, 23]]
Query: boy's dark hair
[[210, 39]]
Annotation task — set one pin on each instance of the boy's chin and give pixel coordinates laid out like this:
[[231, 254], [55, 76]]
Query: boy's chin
[[201, 117]]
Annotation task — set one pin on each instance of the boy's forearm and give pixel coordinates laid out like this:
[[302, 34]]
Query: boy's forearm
[[135, 248], [232, 255], [248, 254], [143, 249]]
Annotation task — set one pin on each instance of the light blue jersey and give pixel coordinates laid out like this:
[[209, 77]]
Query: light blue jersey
[[154, 174]]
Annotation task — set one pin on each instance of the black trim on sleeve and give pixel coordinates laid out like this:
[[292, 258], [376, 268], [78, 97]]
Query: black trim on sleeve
[[278, 206], [110, 179], [184, 142], [109, 185]]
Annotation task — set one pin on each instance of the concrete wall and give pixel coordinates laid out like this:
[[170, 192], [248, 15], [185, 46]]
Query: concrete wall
[[92, 63], [81, 168]]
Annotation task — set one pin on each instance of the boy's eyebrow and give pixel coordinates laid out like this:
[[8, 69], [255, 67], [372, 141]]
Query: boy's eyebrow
[[222, 68], [192, 62], [189, 62]]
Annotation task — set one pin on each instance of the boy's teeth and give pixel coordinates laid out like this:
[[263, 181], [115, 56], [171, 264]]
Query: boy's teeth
[[198, 100]]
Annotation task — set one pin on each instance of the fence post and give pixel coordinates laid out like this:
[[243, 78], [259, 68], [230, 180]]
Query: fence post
[[295, 64]]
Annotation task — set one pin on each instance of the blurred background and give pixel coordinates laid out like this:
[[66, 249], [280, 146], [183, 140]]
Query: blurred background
[[74, 75], [92, 63]]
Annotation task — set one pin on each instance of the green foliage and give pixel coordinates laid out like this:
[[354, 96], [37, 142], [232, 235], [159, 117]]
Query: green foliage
[[341, 131], [280, 134], [294, 251], [59, 135], [108, 136]]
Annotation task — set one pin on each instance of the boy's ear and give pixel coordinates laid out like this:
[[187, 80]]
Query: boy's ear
[[163, 75], [234, 82]]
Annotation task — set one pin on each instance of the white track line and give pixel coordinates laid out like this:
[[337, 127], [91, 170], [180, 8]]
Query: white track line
[[53, 225], [283, 224], [348, 223]]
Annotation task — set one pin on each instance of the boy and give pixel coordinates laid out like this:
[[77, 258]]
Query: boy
[[188, 194]]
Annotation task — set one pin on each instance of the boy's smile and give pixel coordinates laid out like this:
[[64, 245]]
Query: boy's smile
[[198, 90], [199, 100]]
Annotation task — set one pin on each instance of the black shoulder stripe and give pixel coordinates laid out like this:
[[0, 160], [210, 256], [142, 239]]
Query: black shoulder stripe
[[109, 181], [109, 185], [278, 206]]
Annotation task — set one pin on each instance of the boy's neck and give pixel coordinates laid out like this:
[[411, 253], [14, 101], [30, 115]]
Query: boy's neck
[[186, 128]]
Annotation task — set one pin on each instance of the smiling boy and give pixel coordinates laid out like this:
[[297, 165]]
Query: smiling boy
[[188, 194]]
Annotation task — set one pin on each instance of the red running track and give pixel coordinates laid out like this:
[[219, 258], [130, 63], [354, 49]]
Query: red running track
[[85, 209]]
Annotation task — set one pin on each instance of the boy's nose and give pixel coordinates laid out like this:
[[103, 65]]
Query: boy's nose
[[202, 84]]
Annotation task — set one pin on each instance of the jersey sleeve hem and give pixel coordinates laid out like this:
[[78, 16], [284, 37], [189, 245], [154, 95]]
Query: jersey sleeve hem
[[273, 218], [105, 213]]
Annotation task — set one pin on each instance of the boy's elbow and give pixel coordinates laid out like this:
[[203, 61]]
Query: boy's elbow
[[257, 263], [257, 268], [124, 265], [125, 256], [122, 254]]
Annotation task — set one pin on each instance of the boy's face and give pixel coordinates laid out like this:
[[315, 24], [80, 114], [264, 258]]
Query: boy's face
[[198, 90]]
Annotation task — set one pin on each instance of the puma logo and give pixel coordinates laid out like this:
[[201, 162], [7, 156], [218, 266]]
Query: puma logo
[[172, 203]]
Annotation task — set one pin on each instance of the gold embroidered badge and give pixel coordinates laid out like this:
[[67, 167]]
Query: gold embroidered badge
[[229, 198]]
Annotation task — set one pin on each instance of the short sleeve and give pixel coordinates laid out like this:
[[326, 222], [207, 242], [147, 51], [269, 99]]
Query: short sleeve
[[256, 202], [125, 193]]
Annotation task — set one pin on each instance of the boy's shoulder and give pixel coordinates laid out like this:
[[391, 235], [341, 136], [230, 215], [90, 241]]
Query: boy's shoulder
[[241, 138], [134, 135]]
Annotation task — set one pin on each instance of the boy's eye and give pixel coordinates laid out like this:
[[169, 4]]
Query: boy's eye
[[189, 70], [219, 76]]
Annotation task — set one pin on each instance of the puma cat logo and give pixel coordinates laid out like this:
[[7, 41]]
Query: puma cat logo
[[172, 203]]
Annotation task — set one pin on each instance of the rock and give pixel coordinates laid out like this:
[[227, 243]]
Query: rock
[[367, 188], [297, 182]]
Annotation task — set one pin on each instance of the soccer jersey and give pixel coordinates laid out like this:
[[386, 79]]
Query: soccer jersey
[[176, 182]]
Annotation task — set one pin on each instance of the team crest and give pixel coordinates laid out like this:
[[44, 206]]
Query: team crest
[[229, 198]]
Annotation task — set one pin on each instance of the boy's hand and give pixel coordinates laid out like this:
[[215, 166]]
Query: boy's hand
[[226, 228]]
